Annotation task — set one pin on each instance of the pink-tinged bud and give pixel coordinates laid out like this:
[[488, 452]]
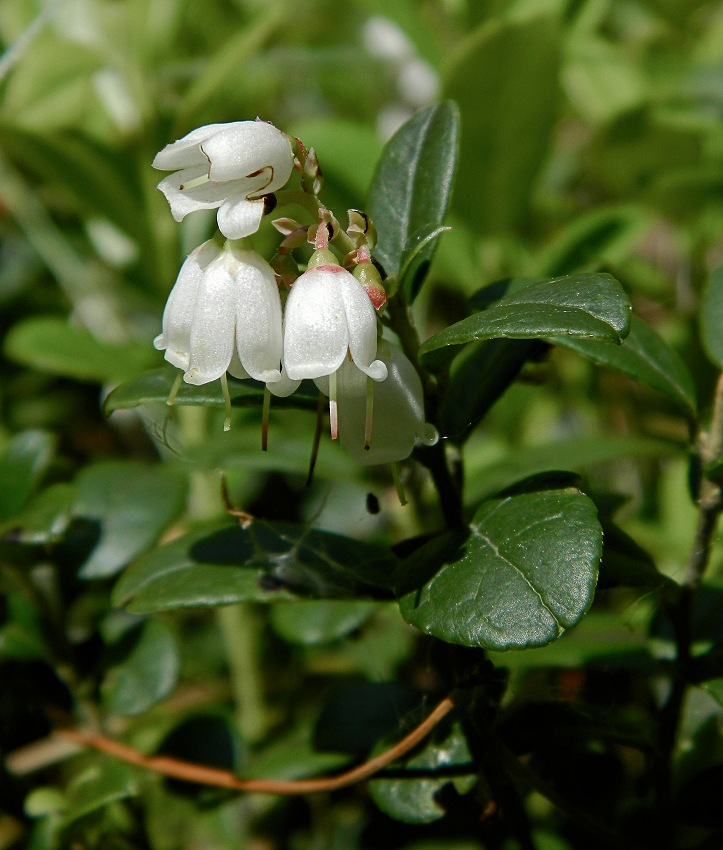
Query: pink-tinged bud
[[369, 278]]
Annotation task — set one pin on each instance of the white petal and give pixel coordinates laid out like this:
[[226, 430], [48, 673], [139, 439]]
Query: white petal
[[362, 323], [315, 327], [258, 323], [178, 313], [238, 217], [235, 367], [248, 148], [283, 387], [182, 201], [186, 151], [214, 319]]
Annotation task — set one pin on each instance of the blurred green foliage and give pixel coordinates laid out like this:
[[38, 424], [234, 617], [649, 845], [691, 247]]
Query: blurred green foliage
[[591, 144]]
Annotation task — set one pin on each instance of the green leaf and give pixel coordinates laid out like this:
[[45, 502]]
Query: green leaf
[[411, 189], [154, 387], [50, 344], [589, 306], [105, 782], [479, 378], [444, 758], [44, 520], [356, 716], [574, 454], [264, 562], [417, 258], [646, 357], [23, 463], [146, 675], [711, 317], [504, 77], [596, 238], [525, 574], [319, 621], [132, 505]]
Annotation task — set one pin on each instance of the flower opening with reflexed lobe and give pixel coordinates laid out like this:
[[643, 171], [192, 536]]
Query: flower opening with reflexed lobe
[[229, 167]]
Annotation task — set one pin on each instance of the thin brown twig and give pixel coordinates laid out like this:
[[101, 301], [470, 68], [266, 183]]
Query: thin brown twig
[[225, 779]]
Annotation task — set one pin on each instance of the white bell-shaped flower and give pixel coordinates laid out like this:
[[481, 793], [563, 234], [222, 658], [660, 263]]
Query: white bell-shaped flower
[[388, 429], [224, 313], [328, 315], [229, 167]]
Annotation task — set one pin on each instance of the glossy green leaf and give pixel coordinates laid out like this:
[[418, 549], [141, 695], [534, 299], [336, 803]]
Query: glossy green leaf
[[264, 563], [319, 621], [445, 758], [411, 188], [44, 520], [588, 306], [525, 574], [646, 357], [604, 638], [146, 675], [711, 317], [417, 257], [23, 462], [154, 387], [50, 344], [131, 504], [504, 77]]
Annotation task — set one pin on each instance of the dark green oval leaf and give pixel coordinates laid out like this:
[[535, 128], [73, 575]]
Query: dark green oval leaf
[[411, 188], [132, 505], [146, 675], [711, 317], [264, 562], [44, 520], [50, 344], [23, 463], [525, 574], [644, 356], [589, 306]]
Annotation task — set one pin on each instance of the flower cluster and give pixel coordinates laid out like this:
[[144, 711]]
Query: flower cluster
[[225, 313]]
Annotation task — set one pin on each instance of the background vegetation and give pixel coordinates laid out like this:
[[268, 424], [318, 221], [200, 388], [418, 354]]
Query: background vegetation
[[591, 141]]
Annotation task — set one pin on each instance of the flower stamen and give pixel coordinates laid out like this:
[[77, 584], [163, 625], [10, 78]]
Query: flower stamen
[[174, 389], [197, 181], [333, 409], [369, 415], [320, 408], [265, 420], [227, 402]]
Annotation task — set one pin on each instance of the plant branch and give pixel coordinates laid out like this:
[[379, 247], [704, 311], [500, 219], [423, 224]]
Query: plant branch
[[710, 445], [225, 779]]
